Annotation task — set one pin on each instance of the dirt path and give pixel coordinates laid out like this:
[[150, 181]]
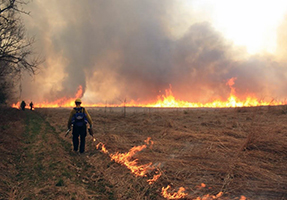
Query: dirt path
[[44, 167]]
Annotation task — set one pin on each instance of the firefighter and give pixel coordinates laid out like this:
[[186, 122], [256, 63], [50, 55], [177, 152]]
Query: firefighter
[[79, 117], [31, 105], [23, 105]]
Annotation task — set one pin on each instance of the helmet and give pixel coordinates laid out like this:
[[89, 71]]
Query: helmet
[[78, 101]]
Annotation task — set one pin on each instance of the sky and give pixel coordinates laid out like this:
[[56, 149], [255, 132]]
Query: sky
[[135, 49]]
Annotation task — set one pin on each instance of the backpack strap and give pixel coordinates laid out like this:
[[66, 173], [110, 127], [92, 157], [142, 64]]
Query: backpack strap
[[79, 110]]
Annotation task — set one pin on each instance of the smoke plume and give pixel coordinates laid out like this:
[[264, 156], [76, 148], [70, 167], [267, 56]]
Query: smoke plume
[[125, 50]]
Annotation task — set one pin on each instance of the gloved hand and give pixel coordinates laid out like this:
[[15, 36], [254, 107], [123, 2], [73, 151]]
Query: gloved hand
[[91, 131]]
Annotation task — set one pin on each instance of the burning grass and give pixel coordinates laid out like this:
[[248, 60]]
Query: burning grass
[[230, 153], [234, 152]]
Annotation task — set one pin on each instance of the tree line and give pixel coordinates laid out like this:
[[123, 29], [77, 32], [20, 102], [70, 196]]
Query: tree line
[[15, 48]]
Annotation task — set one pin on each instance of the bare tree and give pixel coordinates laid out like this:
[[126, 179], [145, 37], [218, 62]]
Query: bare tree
[[15, 47]]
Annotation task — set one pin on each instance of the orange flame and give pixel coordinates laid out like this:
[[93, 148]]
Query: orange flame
[[176, 195], [132, 164], [16, 105], [242, 197], [168, 100], [207, 197], [148, 141], [62, 102], [202, 185], [142, 170], [104, 150], [181, 194], [154, 179]]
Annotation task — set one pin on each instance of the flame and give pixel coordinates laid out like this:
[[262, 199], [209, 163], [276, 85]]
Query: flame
[[141, 170], [206, 197], [166, 100], [202, 185], [176, 195], [104, 150], [148, 141], [154, 179], [62, 102], [181, 194], [132, 164], [16, 105], [79, 93], [242, 197]]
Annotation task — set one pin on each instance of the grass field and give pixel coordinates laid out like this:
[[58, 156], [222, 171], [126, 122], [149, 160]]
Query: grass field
[[228, 153]]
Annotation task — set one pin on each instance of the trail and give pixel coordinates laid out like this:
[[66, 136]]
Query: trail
[[46, 168]]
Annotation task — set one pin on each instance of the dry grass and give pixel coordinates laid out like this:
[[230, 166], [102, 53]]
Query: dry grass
[[11, 127], [239, 151]]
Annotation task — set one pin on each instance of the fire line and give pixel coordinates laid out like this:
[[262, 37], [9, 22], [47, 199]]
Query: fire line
[[141, 170], [168, 101]]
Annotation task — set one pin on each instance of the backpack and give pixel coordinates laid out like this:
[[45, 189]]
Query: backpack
[[79, 119]]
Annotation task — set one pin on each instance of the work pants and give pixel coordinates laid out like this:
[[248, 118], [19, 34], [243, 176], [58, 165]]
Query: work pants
[[82, 132]]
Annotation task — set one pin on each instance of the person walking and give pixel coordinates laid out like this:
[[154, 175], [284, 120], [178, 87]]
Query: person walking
[[79, 117], [23, 105], [31, 105]]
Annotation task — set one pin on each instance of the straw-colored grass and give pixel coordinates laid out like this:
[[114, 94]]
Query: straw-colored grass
[[237, 151]]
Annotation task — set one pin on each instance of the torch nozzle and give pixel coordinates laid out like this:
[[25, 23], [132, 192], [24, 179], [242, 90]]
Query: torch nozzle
[[67, 132]]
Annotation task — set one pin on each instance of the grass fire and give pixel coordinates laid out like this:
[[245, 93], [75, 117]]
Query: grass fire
[[143, 100], [168, 100], [213, 145], [157, 153]]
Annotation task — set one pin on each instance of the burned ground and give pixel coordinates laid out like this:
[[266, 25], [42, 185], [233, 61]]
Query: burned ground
[[237, 151]]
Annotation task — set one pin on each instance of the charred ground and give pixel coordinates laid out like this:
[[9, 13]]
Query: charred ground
[[239, 151]]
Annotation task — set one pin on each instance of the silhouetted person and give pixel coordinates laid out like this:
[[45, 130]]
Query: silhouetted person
[[79, 117], [22, 105], [31, 105]]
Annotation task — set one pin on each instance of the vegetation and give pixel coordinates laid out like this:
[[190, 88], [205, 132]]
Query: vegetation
[[240, 152], [15, 47]]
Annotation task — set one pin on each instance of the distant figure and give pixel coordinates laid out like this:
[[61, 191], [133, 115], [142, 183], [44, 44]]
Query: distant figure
[[31, 105], [22, 105], [79, 117]]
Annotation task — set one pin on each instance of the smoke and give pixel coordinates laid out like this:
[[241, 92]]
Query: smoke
[[125, 50]]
